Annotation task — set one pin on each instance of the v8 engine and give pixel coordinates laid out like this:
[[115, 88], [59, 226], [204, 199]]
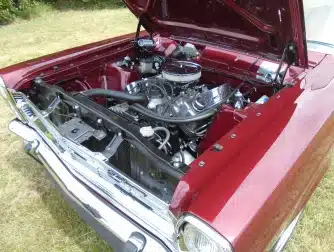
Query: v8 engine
[[151, 129], [177, 103]]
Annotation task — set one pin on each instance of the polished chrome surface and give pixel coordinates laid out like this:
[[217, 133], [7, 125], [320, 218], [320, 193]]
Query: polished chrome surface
[[182, 158], [239, 100], [213, 97], [183, 104], [154, 102], [133, 87], [92, 169], [205, 228], [286, 234], [193, 102], [3, 90], [62, 167], [138, 241], [146, 66], [181, 71], [31, 147], [10, 99], [267, 71]]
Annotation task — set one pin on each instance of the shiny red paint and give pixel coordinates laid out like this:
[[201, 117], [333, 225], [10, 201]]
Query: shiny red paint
[[238, 64], [75, 62], [272, 158], [315, 58], [117, 78], [269, 165], [225, 120], [261, 26]]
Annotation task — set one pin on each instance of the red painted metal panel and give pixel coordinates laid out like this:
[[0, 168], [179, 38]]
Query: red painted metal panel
[[269, 166]]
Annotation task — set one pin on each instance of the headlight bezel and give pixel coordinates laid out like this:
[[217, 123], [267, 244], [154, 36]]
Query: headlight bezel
[[202, 227]]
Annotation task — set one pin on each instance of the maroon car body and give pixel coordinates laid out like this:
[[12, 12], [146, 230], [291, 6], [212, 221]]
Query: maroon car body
[[256, 167]]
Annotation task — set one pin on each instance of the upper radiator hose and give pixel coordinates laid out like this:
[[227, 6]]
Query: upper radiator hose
[[117, 95]]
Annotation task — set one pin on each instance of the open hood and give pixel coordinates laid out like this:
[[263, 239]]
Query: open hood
[[265, 27]]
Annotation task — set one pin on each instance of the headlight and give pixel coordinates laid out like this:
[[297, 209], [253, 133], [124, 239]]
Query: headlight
[[197, 236]]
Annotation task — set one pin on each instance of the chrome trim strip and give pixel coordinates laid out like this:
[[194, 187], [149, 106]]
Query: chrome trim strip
[[286, 234], [92, 169], [6, 94], [114, 222]]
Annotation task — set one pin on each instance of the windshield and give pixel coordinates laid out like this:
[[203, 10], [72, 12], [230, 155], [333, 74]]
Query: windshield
[[319, 22]]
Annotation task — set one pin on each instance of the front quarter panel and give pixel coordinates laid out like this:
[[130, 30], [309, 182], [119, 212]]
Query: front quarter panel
[[269, 166]]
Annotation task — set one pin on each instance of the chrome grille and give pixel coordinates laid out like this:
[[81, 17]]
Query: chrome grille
[[18, 97], [28, 111]]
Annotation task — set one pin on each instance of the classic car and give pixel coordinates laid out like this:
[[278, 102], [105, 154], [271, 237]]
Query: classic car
[[206, 131]]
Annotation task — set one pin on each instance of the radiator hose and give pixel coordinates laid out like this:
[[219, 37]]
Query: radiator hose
[[116, 95]]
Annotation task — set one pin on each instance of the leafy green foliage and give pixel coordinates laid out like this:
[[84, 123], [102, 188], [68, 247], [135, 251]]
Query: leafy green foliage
[[86, 4], [6, 16], [6, 9], [26, 9], [10, 9]]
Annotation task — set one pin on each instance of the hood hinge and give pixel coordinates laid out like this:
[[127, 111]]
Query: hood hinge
[[289, 56]]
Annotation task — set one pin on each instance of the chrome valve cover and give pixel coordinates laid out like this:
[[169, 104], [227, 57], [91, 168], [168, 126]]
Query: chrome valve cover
[[193, 102]]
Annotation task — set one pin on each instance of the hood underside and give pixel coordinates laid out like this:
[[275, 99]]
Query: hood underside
[[260, 26]]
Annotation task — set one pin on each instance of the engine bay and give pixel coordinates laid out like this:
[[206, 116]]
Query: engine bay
[[162, 111]]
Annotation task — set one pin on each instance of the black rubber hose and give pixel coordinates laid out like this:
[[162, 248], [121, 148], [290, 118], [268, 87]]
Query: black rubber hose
[[117, 95], [161, 164], [177, 120]]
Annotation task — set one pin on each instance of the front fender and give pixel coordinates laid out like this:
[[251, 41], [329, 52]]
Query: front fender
[[268, 167]]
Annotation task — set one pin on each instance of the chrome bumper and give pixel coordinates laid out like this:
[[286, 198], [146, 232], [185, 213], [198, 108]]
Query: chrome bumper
[[122, 233]]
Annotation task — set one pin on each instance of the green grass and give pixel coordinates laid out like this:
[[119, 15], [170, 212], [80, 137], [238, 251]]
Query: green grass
[[28, 9], [36, 10], [33, 216]]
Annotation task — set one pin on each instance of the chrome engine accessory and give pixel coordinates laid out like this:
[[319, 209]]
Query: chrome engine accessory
[[188, 104], [133, 87], [146, 66], [190, 50], [239, 100], [155, 102], [146, 43], [182, 157], [268, 70], [179, 108], [194, 102], [152, 130], [181, 71]]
